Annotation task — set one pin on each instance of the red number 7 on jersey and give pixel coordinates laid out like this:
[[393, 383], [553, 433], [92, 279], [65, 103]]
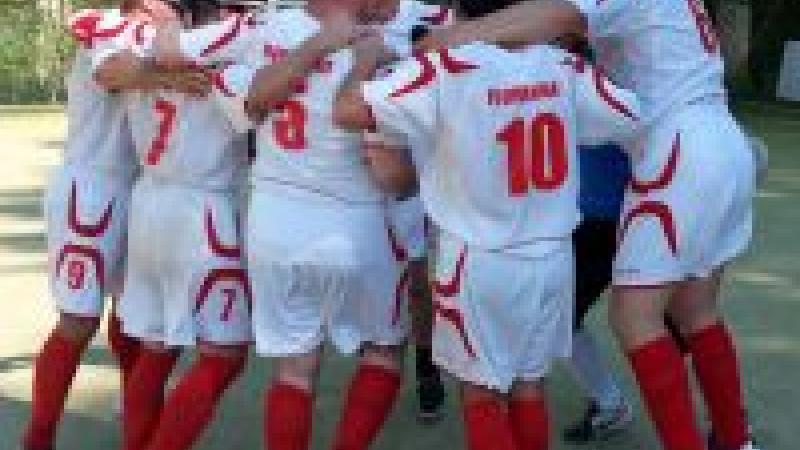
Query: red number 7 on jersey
[[167, 112], [537, 153]]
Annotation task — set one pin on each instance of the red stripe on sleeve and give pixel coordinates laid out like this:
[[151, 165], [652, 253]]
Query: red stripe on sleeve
[[439, 18], [426, 76], [602, 89], [455, 66], [218, 81], [225, 39]]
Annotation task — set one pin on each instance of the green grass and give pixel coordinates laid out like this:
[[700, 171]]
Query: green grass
[[763, 303]]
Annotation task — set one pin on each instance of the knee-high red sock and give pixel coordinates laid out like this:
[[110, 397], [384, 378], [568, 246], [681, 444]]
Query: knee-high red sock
[[372, 394], [531, 423], [190, 406], [717, 370], [124, 347], [662, 378], [53, 372], [487, 426], [289, 412], [143, 399]]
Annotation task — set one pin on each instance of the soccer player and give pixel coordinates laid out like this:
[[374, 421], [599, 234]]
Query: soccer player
[[86, 211], [185, 284], [318, 253], [688, 210], [493, 134]]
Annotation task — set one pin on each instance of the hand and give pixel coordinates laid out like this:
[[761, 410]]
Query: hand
[[338, 31], [194, 83], [371, 51], [436, 39]]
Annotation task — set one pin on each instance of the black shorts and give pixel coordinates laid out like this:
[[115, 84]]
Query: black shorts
[[595, 243]]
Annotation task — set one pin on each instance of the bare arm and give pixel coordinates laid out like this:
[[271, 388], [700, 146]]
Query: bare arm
[[350, 110], [528, 22], [276, 82], [126, 71], [391, 168]]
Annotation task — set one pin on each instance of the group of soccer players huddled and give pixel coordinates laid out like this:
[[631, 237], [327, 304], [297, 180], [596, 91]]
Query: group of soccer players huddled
[[376, 175]]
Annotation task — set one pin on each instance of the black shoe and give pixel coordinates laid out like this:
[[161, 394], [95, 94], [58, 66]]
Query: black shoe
[[431, 395], [599, 424]]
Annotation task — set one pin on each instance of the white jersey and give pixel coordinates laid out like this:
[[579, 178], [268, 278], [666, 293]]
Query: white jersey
[[186, 140], [664, 50], [493, 135], [412, 13], [298, 144], [98, 138]]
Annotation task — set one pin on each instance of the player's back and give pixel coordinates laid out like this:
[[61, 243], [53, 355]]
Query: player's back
[[98, 137], [494, 134], [664, 50], [299, 144], [508, 149], [186, 140]]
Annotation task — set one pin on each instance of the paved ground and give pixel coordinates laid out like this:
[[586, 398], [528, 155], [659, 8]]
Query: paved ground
[[763, 292]]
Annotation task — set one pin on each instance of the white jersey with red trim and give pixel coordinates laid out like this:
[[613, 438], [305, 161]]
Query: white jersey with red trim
[[298, 144], [186, 140], [493, 135], [664, 50], [98, 138]]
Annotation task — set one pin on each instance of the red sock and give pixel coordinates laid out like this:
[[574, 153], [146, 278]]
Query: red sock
[[124, 347], [717, 370], [53, 373], [288, 416], [190, 406], [662, 378], [531, 423], [372, 394], [143, 399], [487, 426]]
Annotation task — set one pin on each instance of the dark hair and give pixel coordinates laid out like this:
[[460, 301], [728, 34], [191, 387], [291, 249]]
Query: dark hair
[[473, 9]]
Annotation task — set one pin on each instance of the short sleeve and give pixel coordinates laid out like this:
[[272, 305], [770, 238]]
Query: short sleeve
[[102, 34], [605, 112], [606, 18], [230, 40], [406, 101]]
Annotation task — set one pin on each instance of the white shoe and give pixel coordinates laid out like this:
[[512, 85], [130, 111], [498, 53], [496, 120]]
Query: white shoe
[[750, 446]]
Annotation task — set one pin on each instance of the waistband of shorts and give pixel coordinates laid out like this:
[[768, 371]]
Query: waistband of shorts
[[153, 179], [711, 101], [307, 193], [533, 249]]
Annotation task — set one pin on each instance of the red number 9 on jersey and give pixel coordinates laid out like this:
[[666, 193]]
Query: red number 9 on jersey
[[537, 154]]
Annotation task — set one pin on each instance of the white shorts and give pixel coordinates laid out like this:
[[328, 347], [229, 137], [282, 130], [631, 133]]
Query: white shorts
[[321, 269], [501, 317], [87, 218], [186, 281], [689, 209], [408, 224]]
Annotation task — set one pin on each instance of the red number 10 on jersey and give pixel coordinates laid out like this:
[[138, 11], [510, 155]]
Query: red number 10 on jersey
[[537, 153]]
